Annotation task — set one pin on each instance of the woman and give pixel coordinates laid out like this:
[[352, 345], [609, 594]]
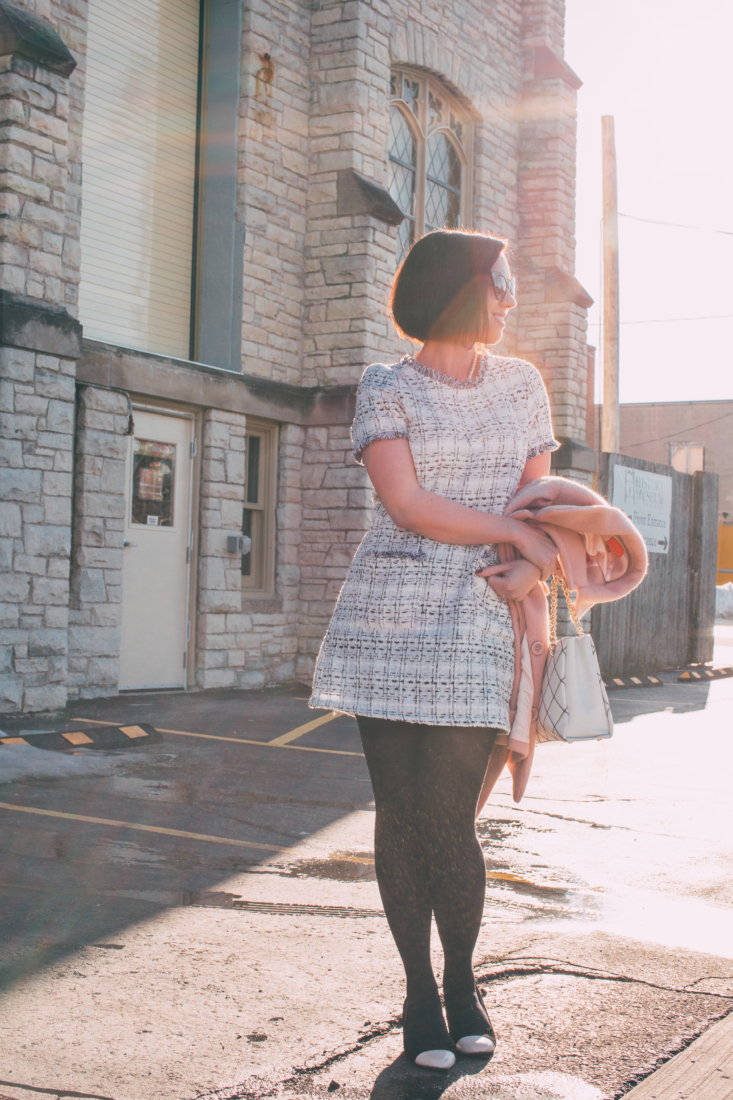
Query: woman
[[420, 647]]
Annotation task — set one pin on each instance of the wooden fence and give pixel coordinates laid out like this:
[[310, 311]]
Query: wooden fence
[[668, 621]]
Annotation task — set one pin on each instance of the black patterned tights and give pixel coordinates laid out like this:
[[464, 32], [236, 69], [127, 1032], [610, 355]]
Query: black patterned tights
[[426, 782]]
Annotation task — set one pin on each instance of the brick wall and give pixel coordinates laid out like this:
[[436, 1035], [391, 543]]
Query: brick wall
[[648, 429]]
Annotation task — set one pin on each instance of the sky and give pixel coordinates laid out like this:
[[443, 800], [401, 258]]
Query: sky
[[663, 69]]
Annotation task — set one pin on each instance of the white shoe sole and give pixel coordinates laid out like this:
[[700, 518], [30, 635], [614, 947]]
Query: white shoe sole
[[436, 1059], [476, 1044]]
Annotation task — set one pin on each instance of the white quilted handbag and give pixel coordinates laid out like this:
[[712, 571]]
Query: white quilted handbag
[[573, 701]]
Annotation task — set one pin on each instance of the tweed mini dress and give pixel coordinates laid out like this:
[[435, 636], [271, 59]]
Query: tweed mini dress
[[416, 636]]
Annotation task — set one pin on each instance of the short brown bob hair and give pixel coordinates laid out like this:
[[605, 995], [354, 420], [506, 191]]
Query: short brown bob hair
[[441, 289]]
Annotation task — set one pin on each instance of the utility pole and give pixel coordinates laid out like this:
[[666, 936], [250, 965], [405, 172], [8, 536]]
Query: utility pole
[[610, 416]]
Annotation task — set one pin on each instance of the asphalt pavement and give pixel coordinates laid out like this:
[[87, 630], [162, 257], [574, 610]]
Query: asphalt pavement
[[199, 917]]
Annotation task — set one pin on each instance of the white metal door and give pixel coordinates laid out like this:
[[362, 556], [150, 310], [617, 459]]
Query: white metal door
[[155, 572]]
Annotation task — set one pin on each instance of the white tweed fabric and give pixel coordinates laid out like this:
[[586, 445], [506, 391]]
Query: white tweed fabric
[[415, 635]]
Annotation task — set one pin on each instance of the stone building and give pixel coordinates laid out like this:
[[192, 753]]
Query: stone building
[[203, 204]]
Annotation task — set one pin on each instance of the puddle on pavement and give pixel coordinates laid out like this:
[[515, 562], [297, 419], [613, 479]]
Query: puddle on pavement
[[123, 851], [155, 790], [339, 867]]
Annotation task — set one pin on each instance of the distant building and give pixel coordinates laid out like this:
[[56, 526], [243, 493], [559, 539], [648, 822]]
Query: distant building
[[688, 435], [203, 206]]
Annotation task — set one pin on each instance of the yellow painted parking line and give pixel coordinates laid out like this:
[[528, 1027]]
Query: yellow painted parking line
[[276, 744], [286, 738], [143, 828]]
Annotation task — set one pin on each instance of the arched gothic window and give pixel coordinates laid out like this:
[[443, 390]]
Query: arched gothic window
[[430, 156]]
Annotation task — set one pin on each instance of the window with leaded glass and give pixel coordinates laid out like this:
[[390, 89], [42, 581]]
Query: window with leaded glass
[[430, 156]]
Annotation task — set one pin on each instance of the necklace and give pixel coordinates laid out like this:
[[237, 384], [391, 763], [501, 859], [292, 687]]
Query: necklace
[[473, 366]]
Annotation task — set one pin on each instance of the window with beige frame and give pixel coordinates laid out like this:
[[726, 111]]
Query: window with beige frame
[[258, 515], [688, 458], [430, 156]]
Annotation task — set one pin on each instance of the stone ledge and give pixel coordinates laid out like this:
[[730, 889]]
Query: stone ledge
[[148, 374], [546, 65], [560, 286], [573, 455], [38, 326], [25, 35], [358, 195]]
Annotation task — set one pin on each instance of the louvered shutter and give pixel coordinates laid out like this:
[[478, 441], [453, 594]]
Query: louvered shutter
[[138, 173]]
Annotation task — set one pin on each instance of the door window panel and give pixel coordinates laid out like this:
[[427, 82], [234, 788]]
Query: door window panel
[[153, 483]]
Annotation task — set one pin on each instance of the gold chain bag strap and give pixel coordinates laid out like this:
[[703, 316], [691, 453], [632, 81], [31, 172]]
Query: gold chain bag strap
[[573, 701]]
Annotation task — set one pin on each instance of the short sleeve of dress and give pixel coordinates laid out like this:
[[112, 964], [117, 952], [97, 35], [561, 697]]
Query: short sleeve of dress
[[379, 410], [539, 423]]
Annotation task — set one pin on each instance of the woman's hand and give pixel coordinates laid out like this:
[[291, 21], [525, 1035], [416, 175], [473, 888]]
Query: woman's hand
[[512, 580], [536, 547]]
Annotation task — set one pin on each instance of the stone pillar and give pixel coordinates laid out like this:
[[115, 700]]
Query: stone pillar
[[551, 318], [95, 610], [350, 241], [220, 655], [39, 343], [36, 430]]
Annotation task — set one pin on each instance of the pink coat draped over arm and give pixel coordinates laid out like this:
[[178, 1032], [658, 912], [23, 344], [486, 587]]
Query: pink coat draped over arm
[[602, 557]]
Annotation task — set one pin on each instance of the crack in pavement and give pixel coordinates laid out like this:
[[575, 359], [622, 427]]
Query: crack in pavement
[[262, 1087], [556, 966]]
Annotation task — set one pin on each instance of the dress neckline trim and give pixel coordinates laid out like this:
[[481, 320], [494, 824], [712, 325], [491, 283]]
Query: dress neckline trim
[[446, 379]]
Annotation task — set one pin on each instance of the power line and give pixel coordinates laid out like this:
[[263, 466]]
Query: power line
[[677, 225], [682, 431], [669, 320]]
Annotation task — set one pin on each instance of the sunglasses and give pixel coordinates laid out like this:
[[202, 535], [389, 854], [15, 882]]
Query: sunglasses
[[502, 285]]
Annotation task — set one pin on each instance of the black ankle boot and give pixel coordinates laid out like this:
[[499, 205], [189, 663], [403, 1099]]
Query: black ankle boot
[[469, 1024], [425, 1038]]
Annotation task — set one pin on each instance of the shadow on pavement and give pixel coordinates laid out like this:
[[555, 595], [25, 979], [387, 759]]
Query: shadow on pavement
[[402, 1080], [629, 703], [203, 807]]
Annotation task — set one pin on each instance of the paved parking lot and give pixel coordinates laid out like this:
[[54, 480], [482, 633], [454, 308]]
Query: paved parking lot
[[200, 916]]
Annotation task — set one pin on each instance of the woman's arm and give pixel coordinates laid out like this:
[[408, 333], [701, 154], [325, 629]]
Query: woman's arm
[[392, 473], [535, 468]]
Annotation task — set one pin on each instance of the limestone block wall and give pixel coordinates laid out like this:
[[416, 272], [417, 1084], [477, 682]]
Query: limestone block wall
[[272, 183], [69, 19], [337, 501], [95, 607], [36, 258], [219, 659], [36, 452]]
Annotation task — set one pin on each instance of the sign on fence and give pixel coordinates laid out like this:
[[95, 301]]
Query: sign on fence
[[646, 498]]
